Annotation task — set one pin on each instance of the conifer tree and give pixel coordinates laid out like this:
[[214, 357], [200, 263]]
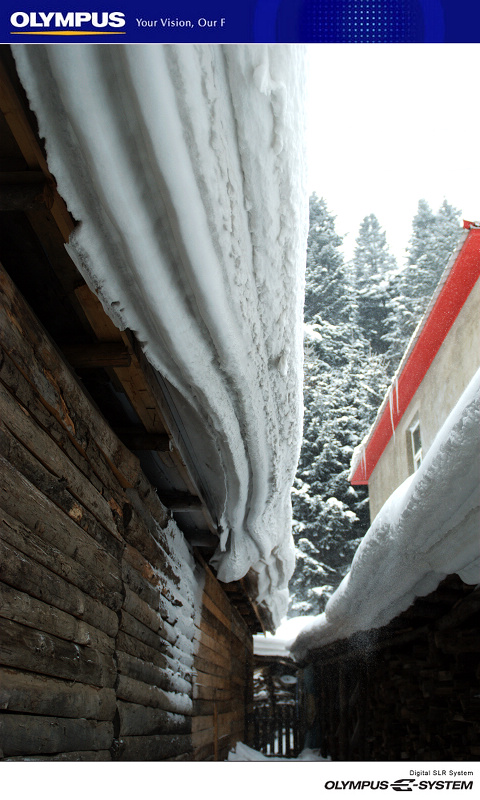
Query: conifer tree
[[343, 386], [371, 265], [326, 286], [434, 238]]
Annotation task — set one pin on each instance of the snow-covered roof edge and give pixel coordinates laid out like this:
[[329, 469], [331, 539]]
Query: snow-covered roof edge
[[426, 530], [193, 218], [392, 407]]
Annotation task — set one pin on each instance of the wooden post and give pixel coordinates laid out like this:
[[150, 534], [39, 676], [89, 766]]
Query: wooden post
[[289, 726], [215, 731], [273, 731], [296, 732]]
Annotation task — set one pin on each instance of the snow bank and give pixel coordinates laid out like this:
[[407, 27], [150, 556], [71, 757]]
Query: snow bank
[[184, 166], [279, 643], [427, 529], [242, 752]]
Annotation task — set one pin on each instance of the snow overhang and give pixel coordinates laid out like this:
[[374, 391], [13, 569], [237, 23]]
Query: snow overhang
[[454, 287], [426, 531], [185, 170]]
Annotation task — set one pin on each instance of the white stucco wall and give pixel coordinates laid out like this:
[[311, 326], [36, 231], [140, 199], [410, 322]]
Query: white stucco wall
[[453, 367]]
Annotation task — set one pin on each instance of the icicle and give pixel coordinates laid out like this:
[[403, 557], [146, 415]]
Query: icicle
[[364, 460], [390, 403], [396, 389]]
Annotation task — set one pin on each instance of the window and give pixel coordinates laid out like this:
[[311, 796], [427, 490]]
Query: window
[[416, 445]]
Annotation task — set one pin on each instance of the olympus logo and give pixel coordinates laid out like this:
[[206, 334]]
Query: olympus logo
[[33, 20]]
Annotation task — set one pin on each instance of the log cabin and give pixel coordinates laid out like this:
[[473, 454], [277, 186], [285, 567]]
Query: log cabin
[[121, 636]]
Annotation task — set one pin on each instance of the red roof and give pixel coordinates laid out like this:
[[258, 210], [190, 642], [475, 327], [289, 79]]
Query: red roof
[[455, 286]]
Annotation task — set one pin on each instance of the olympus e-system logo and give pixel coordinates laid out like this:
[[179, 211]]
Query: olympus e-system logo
[[63, 22], [401, 785]]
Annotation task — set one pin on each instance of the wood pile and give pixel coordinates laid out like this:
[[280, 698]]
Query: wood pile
[[408, 691], [96, 662]]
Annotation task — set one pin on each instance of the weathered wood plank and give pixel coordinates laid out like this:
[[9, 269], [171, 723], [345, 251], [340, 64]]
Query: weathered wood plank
[[205, 707], [139, 609], [22, 426], [223, 725], [212, 693], [218, 632], [26, 649], [216, 658], [33, 613], [214, 591], [25, 503], [28, 693], [153, 748], [29, 345], [132, 626], [226, 682], [41, 576], [225, 720], [150, 590], [209, 638], [139, 585], [137, 439], [182, 757], [146, 672], [31, 151], [100, 354], [24, 196], [83, 755], [28, 735], [138, 720], [134, 647], [134, 691], [147, 551], [151, 501], [159, 572], [217, 612], [205, 665], [88, 458], [54, 489]]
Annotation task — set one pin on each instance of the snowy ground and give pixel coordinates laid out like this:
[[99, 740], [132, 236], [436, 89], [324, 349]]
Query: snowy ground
[[185, 169], [426, 530]]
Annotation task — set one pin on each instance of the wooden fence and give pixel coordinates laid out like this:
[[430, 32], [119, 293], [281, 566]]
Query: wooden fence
[[276, 731]]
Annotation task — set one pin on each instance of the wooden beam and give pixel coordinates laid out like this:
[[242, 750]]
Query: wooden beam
[[136, 439], [181, 501], [25, 196], [19, 125], [201, 539], [99, 354]]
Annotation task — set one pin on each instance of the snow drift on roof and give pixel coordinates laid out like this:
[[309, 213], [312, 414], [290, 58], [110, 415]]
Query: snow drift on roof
[[279, 643], [427, 529], [184, 166]]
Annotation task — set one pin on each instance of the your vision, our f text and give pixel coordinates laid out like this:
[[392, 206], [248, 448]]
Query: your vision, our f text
[[176, 22]]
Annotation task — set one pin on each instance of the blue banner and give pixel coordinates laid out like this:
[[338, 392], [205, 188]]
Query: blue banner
[[203, 21]]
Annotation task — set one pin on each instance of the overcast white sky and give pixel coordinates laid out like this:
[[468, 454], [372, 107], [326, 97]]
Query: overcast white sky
[[390, 124]]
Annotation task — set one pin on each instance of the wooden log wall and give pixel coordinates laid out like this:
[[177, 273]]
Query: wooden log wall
[[97, 584], [410, 690], [223, 690]]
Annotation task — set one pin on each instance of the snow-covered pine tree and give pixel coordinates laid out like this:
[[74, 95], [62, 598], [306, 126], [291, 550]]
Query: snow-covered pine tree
[[326, 281], [434, 238], [343, 386], [371, 267]]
